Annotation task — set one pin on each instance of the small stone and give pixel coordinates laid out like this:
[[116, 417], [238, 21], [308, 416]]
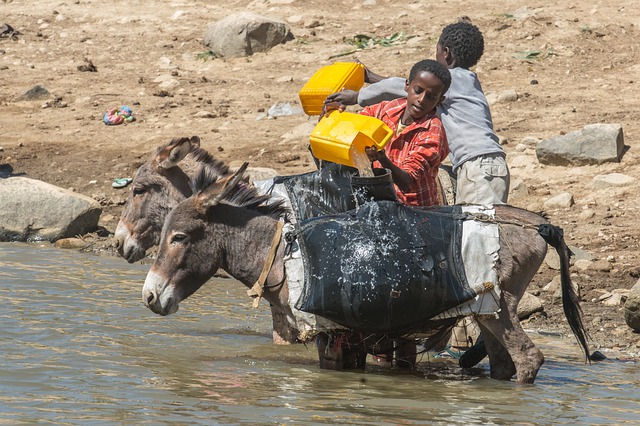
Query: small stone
[[560, 201], [530, 141], [107, 218], [205, 114], [586, 214], [582, 264], [70, 243], [312, 24], [612, 180], [492, 98], [509, 95], [613, 300], [287, 157], [600, 265], [553, 285]]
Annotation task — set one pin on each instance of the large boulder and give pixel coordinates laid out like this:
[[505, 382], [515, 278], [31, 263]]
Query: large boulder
[[32, 210], [632, 307], [593, 144], [245, 33]]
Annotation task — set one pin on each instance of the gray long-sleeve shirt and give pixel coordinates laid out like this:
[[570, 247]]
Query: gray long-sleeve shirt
[[464, 112]]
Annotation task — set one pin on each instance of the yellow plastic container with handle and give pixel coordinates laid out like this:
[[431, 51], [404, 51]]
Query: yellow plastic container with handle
[[338, 135], [327, 80]]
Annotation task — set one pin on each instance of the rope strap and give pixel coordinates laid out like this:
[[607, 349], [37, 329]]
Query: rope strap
[[258, 288]]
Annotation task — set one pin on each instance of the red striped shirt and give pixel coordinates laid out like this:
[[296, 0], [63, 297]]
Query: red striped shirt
[[418, 150]]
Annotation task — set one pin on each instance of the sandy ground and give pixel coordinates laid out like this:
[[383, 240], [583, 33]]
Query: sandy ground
[[585, 72]]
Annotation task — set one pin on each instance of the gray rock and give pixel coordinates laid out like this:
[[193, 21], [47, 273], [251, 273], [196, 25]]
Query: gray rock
[[553, 285], [32, 210], [632, 307], [582, 264], [528, 305], [560, 201], [586, 214], [553, 261], [594, 144], [509, 95], [612, 180], [530, 141], [492, 98], [245, 33], [518, 189], [580, 254]]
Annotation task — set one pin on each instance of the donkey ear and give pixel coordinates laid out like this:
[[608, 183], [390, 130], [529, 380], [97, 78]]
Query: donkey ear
[[195, 141], [217, 191], [177, 149]]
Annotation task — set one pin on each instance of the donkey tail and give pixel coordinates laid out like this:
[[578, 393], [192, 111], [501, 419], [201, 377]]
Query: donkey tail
[[554, 236]]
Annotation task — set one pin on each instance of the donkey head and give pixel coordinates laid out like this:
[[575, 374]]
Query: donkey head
[[158, 186], [191, 245]]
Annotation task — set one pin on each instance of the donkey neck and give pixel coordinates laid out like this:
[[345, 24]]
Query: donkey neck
[[246, 251], [178, 184]]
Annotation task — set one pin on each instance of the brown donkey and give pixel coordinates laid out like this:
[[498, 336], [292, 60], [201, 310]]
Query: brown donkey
[[164, 180], [229, 226]]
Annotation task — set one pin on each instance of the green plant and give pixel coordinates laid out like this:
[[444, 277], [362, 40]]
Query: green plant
[[363, 41], [205, 56], [532, 55]]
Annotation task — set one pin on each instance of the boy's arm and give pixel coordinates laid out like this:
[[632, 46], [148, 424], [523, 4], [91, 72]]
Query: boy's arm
[[385, 90], [400, 177]]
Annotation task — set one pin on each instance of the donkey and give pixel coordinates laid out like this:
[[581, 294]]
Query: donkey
[[163, 181], [220, 225]]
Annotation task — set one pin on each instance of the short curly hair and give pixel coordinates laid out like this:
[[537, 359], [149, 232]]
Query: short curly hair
[[465, 41], [435, 68]]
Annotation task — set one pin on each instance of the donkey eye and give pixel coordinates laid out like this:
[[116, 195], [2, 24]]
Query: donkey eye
[[179, 238], [138, 190]]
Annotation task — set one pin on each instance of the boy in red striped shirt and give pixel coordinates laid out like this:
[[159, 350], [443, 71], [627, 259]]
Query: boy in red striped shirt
[[419, 143]]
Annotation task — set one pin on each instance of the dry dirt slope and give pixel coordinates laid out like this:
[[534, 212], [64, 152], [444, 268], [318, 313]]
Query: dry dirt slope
[[585, 68]]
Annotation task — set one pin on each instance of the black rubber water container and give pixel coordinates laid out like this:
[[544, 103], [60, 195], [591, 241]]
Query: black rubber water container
[[376, 188]]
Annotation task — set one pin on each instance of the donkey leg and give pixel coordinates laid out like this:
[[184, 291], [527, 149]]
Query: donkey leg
[[283, 333], [500, 363], [509, 333]]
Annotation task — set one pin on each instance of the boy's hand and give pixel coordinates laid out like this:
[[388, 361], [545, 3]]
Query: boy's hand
[[370, 76], [374, 154], [345, 97], [331, 106]]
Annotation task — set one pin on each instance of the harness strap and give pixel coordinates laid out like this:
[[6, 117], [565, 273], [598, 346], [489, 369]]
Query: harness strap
[[258, 288]]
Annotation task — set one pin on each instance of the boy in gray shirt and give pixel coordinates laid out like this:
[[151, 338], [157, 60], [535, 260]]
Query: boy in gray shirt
[[476, 155]]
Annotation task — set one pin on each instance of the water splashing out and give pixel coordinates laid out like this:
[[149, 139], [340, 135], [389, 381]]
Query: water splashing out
[[361, 161]]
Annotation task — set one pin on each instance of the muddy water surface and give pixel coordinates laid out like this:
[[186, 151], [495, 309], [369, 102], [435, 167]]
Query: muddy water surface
[[77, 346]]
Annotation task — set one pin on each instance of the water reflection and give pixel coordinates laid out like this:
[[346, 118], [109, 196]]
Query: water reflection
[[78, 347]]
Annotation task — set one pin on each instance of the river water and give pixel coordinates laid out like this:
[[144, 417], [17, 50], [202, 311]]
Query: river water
[[78, 347]]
